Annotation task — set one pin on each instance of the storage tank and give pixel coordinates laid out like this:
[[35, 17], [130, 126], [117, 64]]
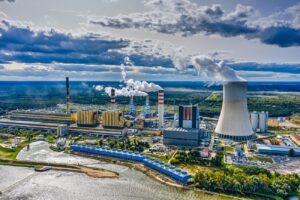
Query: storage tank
[[234, 122], [263, 122], [254, 120]]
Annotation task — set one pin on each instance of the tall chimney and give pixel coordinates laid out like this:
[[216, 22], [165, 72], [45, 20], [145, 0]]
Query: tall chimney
[[147, 106], [131, 105], [67, 96], [113, 99], [234, 122], [160, 108]]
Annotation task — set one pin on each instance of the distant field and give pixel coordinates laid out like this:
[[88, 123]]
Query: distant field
[[279, 99]]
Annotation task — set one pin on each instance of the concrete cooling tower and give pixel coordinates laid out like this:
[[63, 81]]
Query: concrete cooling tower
[[234, 122]]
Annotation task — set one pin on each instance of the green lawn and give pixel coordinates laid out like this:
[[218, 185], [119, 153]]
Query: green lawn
[[11, 154], [229, 149], [262, 159], [164, 159]]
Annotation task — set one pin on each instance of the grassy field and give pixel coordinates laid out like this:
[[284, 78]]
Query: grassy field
[[193, 169], [295, 119], [164, 159], [229, 149], [11, 154], [261, 159]]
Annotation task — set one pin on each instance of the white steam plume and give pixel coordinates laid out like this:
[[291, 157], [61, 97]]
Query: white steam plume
[[125, 91], [205, 66], [143, 86], [132, 87], [98, 87]]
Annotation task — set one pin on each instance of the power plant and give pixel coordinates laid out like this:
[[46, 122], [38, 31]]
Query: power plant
[[234, 122]]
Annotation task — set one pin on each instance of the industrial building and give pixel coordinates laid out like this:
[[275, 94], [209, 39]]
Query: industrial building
[[58, 129], [188, 117], [113, 119], [95, 132], [87, 118], [276, 149], [184, 137], [234, 122], [41, 117], [259, 121]]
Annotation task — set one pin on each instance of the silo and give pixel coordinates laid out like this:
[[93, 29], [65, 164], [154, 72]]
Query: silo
[[234, 122], [254, 120], [263, 122]]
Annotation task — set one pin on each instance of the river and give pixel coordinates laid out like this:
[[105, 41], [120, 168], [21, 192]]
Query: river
[[25, 183]]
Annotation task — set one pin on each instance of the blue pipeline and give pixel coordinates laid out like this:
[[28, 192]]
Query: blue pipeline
[[169, 170]]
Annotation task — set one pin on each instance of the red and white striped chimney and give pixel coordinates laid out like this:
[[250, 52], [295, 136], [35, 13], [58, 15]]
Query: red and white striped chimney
[[160, 108], [113, 99]]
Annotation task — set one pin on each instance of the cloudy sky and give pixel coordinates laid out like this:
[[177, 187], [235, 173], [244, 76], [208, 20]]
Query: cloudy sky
[[88, 40]]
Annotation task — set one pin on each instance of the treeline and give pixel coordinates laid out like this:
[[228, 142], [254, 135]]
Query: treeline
[[194, 157], [247, 180], [126, 144]]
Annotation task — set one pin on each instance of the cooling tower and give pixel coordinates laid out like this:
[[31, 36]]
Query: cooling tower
[[113, 99], [67, 96], [161, 108], [234, 122]]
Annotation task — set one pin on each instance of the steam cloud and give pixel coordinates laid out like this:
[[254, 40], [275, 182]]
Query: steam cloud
[[132, 88], [205, 66]]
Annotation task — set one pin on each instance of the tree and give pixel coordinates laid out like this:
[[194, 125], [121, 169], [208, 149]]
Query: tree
[[291, 152]]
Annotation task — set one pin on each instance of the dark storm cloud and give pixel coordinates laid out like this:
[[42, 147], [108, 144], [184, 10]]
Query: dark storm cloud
[[24, 45], [10, 1], [268, 67], [187, 18]]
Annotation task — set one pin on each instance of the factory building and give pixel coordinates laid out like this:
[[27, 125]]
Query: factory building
[[87, 118], [96, 132], [58, 129], [113, 119], [188, 117], [259, 121], [42, 117], [234, 122], [184, 137], [276, 149]]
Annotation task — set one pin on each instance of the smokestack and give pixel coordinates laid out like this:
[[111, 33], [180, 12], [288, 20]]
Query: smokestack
[[67, 96], [161, 108], [113, 99], [131, 105], [147, 106], [234, 122]]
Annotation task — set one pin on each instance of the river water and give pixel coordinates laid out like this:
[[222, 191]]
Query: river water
[[24, 183]]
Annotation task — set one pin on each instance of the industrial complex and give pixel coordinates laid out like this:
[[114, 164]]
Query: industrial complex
[[150, 136]]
